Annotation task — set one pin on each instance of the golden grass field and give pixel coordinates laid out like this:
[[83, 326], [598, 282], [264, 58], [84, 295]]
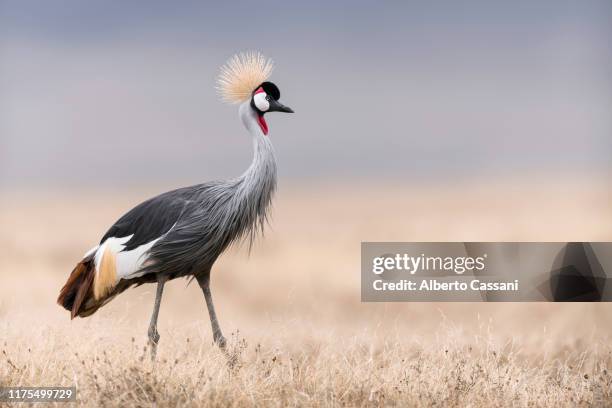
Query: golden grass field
[[292, 312]]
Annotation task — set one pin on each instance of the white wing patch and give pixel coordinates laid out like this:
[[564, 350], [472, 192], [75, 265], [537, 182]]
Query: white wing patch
[[112, 263], [130, 262], [127, 263]]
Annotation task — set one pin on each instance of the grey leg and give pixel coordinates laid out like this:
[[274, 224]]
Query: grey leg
[[153, 334], [204, 282]]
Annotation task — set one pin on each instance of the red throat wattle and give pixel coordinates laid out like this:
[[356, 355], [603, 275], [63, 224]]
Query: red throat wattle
[[262, 124]]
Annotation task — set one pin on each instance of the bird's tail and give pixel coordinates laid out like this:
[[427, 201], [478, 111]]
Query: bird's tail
[[77, 294]]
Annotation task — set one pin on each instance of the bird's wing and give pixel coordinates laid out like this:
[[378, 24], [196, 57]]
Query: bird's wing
[[123, 251], [150, 220]]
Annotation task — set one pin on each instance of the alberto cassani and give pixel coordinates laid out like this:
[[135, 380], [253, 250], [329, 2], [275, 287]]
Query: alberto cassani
[[435, 285]]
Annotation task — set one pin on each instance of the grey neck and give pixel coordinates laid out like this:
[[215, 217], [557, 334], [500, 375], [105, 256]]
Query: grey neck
[[262, 170], [255, 187]]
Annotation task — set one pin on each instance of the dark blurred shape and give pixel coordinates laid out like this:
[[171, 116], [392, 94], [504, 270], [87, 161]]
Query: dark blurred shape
[[577, 275]]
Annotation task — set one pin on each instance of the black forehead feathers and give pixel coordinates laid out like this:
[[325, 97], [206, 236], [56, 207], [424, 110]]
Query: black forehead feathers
[[270, 89]]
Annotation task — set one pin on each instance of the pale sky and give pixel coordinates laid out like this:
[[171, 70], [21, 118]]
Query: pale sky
[[112, 93]]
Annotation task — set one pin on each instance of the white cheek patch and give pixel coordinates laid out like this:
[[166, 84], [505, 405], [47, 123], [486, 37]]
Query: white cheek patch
[[261, 102]]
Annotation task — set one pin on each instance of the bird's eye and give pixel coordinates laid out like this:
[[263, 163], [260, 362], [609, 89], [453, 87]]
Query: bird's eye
[[261, 101]]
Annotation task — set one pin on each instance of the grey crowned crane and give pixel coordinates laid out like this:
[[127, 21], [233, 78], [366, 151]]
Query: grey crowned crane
[[181, 233]]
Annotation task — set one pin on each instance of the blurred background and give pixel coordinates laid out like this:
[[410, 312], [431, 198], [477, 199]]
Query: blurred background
[[415, 121], [114, 94]]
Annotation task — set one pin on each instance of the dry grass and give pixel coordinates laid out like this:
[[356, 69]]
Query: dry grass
[[331, 370], [305, 338]]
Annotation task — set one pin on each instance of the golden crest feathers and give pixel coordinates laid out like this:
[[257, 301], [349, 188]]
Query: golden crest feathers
[[241, 74]]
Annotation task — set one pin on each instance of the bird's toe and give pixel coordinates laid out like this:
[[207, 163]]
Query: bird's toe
[[154, 337]]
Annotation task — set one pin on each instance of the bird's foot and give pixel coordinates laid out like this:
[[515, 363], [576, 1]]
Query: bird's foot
[[153, 341], [231, 355], [220, 341]]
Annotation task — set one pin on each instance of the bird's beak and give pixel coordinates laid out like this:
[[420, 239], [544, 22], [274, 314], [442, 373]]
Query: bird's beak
[[276, 106]]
